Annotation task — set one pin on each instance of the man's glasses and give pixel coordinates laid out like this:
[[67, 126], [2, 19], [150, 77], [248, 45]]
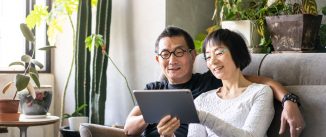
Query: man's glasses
[[178, 52]]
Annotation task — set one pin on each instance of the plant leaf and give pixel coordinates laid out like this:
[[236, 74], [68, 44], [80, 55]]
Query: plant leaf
[[17, 63], [35, 78], [47, 48], [80, 108], [324, 10], [66, 116], [26, 58], [6, 87], [28, 34], [39, 64], [33, 70], [36, 16], [31, 90], [21, 81]]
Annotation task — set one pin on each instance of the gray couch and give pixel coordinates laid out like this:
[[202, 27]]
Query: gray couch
[[301, 73]]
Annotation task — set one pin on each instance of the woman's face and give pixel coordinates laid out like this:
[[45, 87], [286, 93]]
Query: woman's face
[[219, 61]]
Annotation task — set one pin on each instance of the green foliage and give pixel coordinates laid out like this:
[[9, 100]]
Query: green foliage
[[242, 9], [309, 7], [23, 80], [60, 9], [77, 112], [36, 16], [323, 10], [94, 40], [199, 41]]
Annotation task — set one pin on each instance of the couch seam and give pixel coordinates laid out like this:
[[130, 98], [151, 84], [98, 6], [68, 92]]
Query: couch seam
[[260, 64]]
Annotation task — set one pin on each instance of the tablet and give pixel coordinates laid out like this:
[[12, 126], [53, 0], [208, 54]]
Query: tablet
[[155, 104]]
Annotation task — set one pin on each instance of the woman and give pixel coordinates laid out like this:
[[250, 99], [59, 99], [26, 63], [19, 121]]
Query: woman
[[239, 108]]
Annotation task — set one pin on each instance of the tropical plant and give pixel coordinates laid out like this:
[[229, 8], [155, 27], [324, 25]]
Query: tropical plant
[[23, 81], [238, 10], [77, 113], [53, 19]]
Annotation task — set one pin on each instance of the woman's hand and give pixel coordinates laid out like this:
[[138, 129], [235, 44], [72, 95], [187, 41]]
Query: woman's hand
[[291, 115], [167, 126]]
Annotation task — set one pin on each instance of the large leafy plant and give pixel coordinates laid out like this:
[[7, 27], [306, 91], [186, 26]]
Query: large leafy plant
[[23, 81]]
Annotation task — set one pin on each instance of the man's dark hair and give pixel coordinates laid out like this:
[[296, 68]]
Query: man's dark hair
[[234, 42], [172, 31]]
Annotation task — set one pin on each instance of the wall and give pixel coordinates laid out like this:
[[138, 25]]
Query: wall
[[135, 25], [191, 15]]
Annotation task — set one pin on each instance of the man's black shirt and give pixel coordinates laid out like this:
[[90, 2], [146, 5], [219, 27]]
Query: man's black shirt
[[199, 83]]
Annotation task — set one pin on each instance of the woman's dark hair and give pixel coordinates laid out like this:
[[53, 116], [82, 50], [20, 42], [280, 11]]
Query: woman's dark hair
[[234, 42], [172, 31]]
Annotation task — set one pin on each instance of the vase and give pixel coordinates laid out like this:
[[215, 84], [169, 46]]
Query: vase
[[74, 122], [38, 106]]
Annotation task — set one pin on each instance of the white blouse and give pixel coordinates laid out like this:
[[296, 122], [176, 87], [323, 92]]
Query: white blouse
[[248, 115]]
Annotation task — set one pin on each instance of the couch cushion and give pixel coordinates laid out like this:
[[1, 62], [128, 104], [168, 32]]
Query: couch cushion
[[295, 68], [313, 103]]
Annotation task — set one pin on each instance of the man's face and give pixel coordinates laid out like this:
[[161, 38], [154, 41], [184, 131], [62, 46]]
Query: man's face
[[178, 70]]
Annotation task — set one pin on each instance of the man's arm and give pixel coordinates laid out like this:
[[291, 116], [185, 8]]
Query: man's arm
[[291, 113], [135, 123]]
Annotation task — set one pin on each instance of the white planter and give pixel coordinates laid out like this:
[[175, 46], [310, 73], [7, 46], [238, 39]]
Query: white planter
[[247, 28], [74, 122]]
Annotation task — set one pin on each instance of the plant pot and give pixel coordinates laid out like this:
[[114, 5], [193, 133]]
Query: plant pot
[[293, 32], [246, 28], [9, 106], [74, 122], [66, 132], [38, 106]]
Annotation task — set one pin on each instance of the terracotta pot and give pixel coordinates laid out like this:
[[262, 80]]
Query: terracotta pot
[[9, 106]]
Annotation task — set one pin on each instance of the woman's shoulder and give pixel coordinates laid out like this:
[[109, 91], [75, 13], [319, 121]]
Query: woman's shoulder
[[260, 88]]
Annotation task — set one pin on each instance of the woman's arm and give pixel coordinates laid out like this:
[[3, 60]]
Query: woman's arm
[[135, 123], [291, 114]]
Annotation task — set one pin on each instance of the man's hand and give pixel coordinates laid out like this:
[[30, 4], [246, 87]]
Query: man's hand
[[291, 115], [167, 126]]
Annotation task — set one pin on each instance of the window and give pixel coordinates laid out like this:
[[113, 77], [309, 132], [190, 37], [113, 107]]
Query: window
[[12, 42]]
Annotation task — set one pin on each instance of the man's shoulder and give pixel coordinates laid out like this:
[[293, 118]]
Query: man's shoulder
[[157, 85]]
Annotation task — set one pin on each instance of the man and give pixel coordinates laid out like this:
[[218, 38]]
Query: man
[[176, 55]]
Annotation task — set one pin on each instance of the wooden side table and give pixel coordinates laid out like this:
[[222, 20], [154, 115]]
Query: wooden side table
[[16, 120]]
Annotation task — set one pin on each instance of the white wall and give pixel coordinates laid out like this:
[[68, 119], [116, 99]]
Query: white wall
[[135, 26]]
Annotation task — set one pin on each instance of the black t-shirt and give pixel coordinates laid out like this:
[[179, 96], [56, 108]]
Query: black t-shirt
[[198, 84]]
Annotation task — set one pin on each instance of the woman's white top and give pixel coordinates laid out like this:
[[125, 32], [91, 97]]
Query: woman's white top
[[248, 115]]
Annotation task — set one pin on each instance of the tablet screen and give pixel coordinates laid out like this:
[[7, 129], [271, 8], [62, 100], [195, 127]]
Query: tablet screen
[[155, 104]]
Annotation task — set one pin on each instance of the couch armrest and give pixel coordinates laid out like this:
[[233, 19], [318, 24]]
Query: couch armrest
[[94, 130]]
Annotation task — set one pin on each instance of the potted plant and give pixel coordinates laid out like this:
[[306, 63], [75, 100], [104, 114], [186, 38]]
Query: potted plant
[[293, 26], [33, 102], [74, 120], [243, 16]]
